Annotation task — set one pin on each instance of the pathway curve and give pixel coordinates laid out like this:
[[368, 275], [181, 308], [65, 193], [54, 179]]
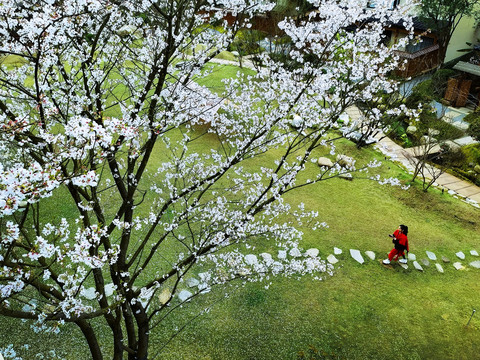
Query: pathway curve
[[397, 153]]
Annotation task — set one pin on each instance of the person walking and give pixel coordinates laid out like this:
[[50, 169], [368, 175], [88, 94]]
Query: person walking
[[400, 241]]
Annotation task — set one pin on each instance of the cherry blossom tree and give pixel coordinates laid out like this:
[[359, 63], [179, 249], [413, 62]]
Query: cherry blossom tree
[[170, 182]]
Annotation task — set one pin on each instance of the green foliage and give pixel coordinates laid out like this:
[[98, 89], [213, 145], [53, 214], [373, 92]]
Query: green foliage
[[472, 117], [421, 94], [439, 82], [474, 128]]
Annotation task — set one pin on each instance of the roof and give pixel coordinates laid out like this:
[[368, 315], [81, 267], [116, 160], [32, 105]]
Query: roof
[[468, 68]]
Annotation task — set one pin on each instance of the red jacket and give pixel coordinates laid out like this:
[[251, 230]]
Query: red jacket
[[401, 238]]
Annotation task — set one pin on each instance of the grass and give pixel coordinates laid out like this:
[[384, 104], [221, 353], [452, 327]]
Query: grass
[[362, 312]]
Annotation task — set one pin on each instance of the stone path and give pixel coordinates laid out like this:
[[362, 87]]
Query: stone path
[[431, 261], [453, 185]]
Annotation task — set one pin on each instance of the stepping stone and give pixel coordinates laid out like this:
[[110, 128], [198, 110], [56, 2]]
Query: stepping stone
[[417, 266], [250, 259], [439, 268], [370, 254], [332, 259], [445, 259], [458, 266], [184, 295], [411, 257], [312, 252], [357, 255], [192, 282], [337, 251], [425, 262], [474, 252], [475, 264], [405, 266], [460, 255], [431, 255], [294, 252]]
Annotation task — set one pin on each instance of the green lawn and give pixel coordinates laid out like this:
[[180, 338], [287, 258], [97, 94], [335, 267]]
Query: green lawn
[[361, 312]]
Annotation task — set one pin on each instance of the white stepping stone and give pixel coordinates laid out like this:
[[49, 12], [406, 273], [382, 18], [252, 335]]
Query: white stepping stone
[[295, 252], [405, 266], [475, 264], [312, 252], [332, 259], [357, 255], [474, 252], [425, 262], [439, 268], [417, 266], [250, 259], [411, 257], [458, 266], [192, 282], [370, 254], [184, 295], [460, 255], [337, 251], [431, 255]]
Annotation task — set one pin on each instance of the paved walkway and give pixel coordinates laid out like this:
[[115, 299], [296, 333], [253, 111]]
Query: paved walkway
[[450, 183]]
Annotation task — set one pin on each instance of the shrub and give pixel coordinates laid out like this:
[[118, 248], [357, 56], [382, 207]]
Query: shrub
[[474, 128], [421, 94], [472, 116], [439, 82]]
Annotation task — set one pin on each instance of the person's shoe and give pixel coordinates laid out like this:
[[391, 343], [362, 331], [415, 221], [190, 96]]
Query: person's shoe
[[402, 261], [386, 261]]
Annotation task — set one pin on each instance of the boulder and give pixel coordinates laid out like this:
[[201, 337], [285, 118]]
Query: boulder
[[184, 295], [164, 296], [345, 161], [411, 130], [332, 259], [417, 266], [251, 259], [323, 161], [355, 254], [312, 252], [475, 264]]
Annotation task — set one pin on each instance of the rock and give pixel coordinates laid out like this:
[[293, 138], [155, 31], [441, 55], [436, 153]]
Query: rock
[[357, 255], [425, 262], [337, 251], [89, 293], [405, 266], [370, 254], [344, 118], [267, 258], [411, 130], [312, 252], [109, 288], [439, 268], [417, 266], [411, 257], [251, 259], [164, 296], [431, 255], [282, 254], [445, 259], [323, 161], [458, 266], [192, 282], [474, 252], [297, 121], [184, 295], [346, 176], [332, 259], [345, 161], [460, 255], [475, 264], [294, 252], [477, 169]]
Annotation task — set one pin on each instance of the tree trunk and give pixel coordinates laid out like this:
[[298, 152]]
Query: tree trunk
[[91, 339]]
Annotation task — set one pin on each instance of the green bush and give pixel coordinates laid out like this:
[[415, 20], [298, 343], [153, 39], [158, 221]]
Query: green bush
[[421, 94], [474, 128], [472, 116], [439, 82]]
